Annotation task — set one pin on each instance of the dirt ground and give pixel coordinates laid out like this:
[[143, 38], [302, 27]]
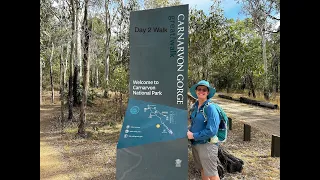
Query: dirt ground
[[266, 120], [65, 156], [52, 163]]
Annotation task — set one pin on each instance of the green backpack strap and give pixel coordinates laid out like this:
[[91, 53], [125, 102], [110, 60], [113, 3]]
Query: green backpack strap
[[204, 111]]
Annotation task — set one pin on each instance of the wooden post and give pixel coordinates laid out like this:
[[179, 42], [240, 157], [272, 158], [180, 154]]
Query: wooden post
[[230, 123], [275, 146], [247, 132]]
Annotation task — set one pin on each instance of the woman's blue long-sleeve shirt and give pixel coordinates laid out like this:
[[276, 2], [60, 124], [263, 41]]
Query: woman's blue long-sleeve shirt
[[203, 131]]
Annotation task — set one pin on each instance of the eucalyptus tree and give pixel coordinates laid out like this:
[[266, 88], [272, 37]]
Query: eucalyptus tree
[[86, 64], [262, 12]]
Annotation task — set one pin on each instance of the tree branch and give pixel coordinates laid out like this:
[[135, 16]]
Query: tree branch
[[270, 8], [70, 8], [114, 15], [278, 30], [274, 18]]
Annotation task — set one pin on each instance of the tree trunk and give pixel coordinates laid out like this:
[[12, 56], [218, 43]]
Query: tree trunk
[[62, 85], [108, 34], [70, 93], [276, 78], [76, 100], [66, 67], [76, 78], [86, 65], [121, 106], [97, 77], [275, 73], [265, 63], [251, 89], [120, 30], [274, 68], [203, 75], [40, 81], [78, 41], [91, 76], [51, 77]]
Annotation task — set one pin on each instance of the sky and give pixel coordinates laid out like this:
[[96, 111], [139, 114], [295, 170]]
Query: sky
[[230, 8]]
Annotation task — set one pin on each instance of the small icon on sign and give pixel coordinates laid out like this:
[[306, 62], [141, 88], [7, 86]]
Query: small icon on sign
[[128, 127], [126, 135], [178, 162], [126, 131], [134, 110]]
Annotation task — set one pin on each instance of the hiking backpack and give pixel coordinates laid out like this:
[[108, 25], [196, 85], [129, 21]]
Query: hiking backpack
[[223, 126]]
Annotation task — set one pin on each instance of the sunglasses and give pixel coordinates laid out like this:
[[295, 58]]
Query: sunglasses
[[202, 89]]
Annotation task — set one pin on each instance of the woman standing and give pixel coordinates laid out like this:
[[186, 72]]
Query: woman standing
[[205, 153]]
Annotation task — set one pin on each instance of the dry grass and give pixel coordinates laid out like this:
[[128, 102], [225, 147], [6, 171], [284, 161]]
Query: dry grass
[[95, 156]]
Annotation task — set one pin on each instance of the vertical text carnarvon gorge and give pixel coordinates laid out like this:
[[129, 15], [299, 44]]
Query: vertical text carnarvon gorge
[[180, 58]]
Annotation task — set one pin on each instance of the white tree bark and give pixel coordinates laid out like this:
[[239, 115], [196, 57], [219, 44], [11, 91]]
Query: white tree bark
[[108, 34], [78, 36], [70, 92], [265, 61], [86, 65], [260, 11], [97, 76], [51, 76], [66, 65], [62, 82], [76, 74]]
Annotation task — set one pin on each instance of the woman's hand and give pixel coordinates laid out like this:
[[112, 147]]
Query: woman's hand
[[190, 135]]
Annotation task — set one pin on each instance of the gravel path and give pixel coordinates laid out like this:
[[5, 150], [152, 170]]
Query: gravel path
[[264, 119]]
